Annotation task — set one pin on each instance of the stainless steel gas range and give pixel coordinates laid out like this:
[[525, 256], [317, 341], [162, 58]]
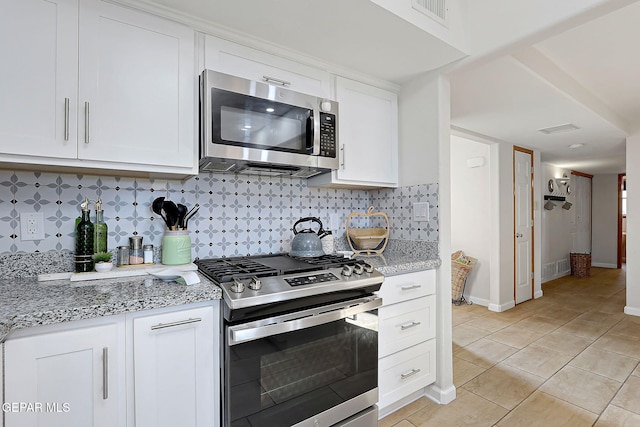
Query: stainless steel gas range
[[300, 340]]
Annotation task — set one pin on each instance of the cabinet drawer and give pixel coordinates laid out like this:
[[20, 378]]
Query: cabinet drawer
[[406, 324], [404, 287], [407, 371]]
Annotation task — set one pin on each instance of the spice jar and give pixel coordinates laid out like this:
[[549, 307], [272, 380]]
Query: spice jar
[[148, 254], [136, 255], [123, 255]]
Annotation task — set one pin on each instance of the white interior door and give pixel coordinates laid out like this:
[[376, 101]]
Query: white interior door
[[523, 225]]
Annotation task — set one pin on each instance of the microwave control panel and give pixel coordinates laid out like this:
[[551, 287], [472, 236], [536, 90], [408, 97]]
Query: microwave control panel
[[328, 133]]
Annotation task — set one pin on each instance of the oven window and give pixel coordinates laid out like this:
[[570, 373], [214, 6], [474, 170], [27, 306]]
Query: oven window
[[284, 379], [259, 123]]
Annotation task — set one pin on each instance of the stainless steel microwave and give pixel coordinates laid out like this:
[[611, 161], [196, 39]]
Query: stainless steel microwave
[[258, 128]]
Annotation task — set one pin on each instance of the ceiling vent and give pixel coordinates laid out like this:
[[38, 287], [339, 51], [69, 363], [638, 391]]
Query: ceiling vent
[[557, 129], [434, 9]]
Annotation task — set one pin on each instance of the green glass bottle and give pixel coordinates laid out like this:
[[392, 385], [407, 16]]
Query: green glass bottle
[[84, 241], [100, 230]]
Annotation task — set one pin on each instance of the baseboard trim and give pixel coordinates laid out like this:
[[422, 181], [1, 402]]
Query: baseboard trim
[[632, 311], [502, 307], [538, 294], [443, 397], [479, 301], [603, 265]]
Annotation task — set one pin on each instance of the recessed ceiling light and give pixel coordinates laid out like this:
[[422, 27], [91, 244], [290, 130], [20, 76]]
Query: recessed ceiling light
[[578, 145], [270, 110], [560, 128]]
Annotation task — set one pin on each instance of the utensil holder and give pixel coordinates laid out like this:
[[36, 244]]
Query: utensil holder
[[176, 247]]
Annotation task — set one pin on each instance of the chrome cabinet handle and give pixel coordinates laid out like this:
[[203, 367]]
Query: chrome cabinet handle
[[270, 79], [410, 373], [342, 156], [66, 119], [178, 323], [412, 324], [105, 373], [408, 288], [86, 122]]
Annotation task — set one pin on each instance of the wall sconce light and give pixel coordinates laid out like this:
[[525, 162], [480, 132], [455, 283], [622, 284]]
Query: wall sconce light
[[549, 205], [563, 181], [566, 206]]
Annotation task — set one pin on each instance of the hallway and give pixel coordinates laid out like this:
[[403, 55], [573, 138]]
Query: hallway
[[570, 358]]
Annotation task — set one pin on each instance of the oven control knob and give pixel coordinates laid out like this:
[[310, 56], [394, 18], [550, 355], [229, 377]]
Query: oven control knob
[[358, 269], [347, 270], [237, 287], [368, 267], [255, 283]]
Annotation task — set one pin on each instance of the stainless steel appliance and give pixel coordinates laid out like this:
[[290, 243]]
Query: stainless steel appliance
[[255, 127], [300, 340]]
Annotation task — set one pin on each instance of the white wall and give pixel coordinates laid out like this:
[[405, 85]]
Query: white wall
[[557, 228], [633, 225], [605, 221], [471, 213]]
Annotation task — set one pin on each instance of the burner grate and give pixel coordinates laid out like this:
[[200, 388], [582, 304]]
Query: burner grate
[[225, 270]]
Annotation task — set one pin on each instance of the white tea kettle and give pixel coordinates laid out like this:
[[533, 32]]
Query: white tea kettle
[[306, 243]]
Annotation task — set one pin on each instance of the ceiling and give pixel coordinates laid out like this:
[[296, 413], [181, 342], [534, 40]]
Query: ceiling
[[585, 75]]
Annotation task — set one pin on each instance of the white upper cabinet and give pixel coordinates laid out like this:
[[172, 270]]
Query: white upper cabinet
[[231, 58], [96, 85], [368, 137], [38, 77]]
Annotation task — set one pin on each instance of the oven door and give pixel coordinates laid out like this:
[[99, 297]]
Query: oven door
[[313, 367]]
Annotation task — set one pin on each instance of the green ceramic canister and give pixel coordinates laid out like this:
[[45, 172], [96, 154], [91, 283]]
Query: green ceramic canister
[[176, 247]]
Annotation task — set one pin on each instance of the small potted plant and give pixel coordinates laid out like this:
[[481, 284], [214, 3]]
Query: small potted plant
[[103, 261]]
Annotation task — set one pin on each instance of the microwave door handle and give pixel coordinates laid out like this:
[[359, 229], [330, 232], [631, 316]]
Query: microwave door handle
[[313, 133]]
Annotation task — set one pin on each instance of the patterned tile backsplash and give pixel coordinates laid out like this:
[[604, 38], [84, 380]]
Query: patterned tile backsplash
[[239, 214]]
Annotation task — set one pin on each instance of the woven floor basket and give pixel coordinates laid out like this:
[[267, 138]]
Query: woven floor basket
[[580, 264], [459, 273]]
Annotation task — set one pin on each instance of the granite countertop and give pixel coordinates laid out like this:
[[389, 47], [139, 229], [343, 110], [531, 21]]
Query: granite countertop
[[25, 302]]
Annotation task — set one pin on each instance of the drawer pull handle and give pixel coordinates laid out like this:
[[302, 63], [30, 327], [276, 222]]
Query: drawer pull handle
[[172, 324], [270, 79], [408, 288], [410, 373], [66, 119], [409, 325]]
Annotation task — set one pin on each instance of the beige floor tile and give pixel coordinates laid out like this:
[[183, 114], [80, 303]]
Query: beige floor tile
[[505, 385], [485, 352], [515, 336], [584, 329], [590, 391], [605, 363], [619, 344], [404, 412], [564, 343], [637, 371], [465, 334], [464, 371], [540, 361], [618, 417], [564, 314], [629, 395], [467, 410], [540, 324], [605, 319], [543, 410], [627, 329], [403, 423], [489, 323]]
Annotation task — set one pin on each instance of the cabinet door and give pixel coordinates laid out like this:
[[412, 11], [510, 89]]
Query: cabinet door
[[368, 131], [252, 64], [174, 377], [137, 88], [76, 376], [38, 77]]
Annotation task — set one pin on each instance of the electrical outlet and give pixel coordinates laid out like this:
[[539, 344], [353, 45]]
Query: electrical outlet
[[421, 212], [31, 226]]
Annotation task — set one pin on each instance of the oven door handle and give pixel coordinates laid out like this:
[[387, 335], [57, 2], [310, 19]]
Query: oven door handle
[[305, 319]]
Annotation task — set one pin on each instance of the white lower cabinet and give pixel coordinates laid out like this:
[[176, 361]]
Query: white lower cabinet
[[152, 368], [407, 344], [67, 378], [173, 363]]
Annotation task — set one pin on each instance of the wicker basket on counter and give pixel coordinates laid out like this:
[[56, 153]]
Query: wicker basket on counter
[[368, 240]]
